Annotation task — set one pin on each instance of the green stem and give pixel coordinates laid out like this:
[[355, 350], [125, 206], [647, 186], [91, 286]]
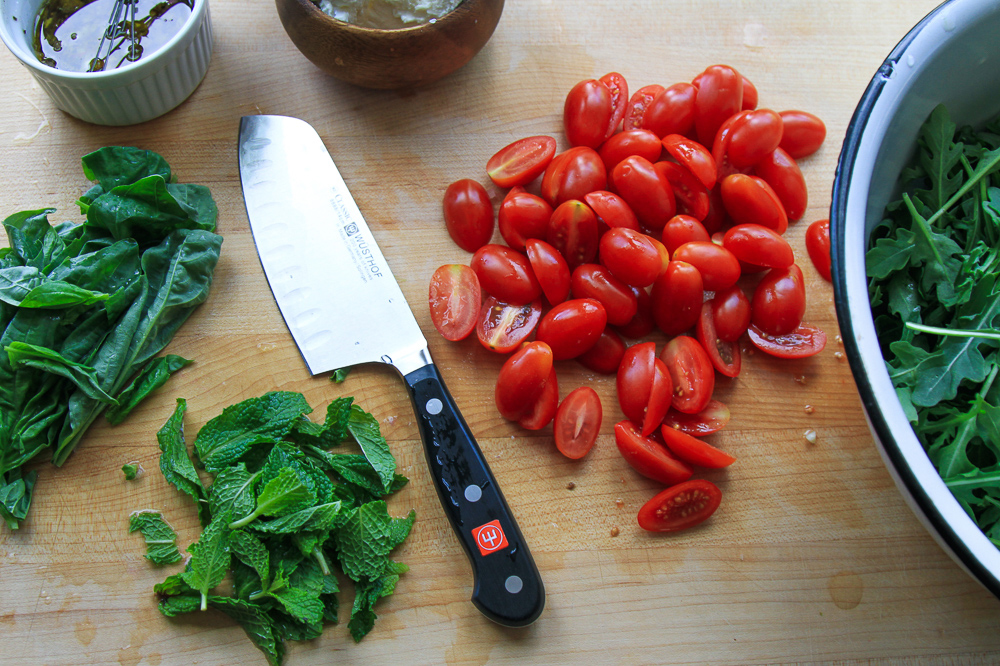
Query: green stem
[[986, 333], [981, 172]]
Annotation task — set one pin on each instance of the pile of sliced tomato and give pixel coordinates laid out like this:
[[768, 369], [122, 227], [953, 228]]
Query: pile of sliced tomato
[[666, 207]]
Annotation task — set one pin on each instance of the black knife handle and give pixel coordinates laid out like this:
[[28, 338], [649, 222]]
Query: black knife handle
[[507, 587]]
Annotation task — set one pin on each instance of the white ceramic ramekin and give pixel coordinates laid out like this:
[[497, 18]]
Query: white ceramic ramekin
[[128, 95]]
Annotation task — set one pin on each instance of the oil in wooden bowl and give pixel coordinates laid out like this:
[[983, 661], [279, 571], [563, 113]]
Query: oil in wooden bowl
[[69, 33]]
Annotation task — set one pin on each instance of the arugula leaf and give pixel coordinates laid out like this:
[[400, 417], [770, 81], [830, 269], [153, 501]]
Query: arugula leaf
[[161, 540]]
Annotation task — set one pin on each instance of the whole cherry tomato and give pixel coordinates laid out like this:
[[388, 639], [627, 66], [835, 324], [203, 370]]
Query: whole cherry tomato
[[730, 313], [691, 197], [587, 113], [545, 406], [502, 327], [468, 214], [750, 200], [606, 354], [779, 301], [642, 323], [713, 418], [631, 256], [693, 156], [578, 422], [618, 87], [753, 137], [694, 451], [550, 268], [506, 274], [750, 95], [676, 298], [637, 105], [718, 266], [803, 135], [680, 506], [572, 174], [804, 341], [646, 190], [720, 95], [454, 298], [522, 161], [572, 327], [648, 457], [573, 232], [691, 372], [759, 245], [671, 111], [782, 173], [521, 380], [611, 210], [682, 229], [818, 247], [521, 216], [724, 355], [596, 282], [640, 142]]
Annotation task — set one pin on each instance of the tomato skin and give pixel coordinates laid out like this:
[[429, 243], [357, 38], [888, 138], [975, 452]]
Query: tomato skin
[[648, 457], [597, 282], [691, 372], [730, 313], [718, 266], [693, 156], [587, 113], [671, 111], [572, 327], [618, 87], [803, 133], [637, 105], [804, 341], [682, 229], [759, 245], [676, 298], [690, 196], [756, 135], [502, 327], [750, 200], [606, 354], [645, 190], [724, 355], [818, 247], [720, 95], [521, 216], [640, 142], [572, 174], [782, 173], [468, 214], [631, 256], [521, 380], [545, 406], [573, 232], [578, 422], [642, 323], [506, 274], [694, 451], [713, 418], [550, 268], [779, 301], [521, 162], [454, 297], [611, 210], [680, 506]]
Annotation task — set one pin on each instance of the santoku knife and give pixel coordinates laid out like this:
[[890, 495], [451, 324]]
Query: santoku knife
[[343, 307]]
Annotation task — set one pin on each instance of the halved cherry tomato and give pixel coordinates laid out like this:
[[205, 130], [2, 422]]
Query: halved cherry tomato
[[630, 142], [818, 246], [597, 282], [750, 95], [750, 200], [720, 146], [521, 380], [502, 327], [578, 422], [693, 156], [671, 111], [506, 274], [730, 313], [676, 298], [545, 406], [713, 418], [573, 231], [550, 268], [720, 95], [724, 354], [694, 451], [521, 216], [645, 190], [680, 506], [631, 256], [660, 398], [572, 327], [804, 341], [804, 133], [606, 354], [779, 301], [642, 323], [611, 211], [634, 379], [682, 229], [691, 197], [782, 173], [691, 372], [572, 174], [753, 137], [454, 298], [718, 266], [758, 245], [522, 161], [637, 105], [618, 87], [648, 457], [468, 214], [587, 113], [716, 218]]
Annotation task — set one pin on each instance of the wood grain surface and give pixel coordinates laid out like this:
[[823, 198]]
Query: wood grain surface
[[813, 557]]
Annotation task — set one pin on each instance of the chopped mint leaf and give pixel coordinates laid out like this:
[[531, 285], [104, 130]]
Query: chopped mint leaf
[[161, 540], [131, 470]]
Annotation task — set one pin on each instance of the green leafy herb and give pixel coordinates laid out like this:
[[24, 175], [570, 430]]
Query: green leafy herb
[[934, 279], [85, 308], [283, 512], [131, 471], [161, 540]]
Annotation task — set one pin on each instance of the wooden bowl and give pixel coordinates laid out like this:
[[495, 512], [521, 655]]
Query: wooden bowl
[[387, 59]]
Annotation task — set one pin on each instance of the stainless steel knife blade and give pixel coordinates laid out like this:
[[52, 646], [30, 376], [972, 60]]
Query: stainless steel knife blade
[[343, 307]]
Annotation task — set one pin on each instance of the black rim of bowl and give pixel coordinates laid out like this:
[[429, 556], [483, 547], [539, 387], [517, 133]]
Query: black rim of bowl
[[838, 213]]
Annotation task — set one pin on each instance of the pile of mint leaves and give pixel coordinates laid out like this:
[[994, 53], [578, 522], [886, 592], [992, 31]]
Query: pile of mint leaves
[[281, 514], [934, 282], [85, 307]]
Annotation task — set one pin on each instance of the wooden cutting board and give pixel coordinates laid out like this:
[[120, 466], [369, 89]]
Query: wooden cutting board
[[813, 556]]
